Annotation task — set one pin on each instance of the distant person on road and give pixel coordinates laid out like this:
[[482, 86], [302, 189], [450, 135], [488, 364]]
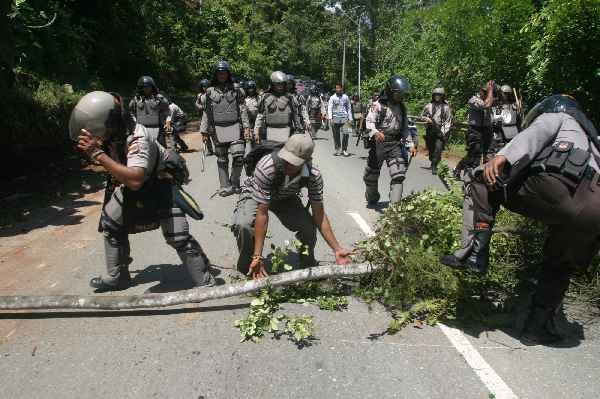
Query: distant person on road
[[251, 101], [314, 105], [339, 112], [150, 109], [278, 113], [506, 120], [275, 186], [226, 119], [299, 103], [200, 101], [358, 114], [438, 118], [387, 123], [142, 192], [178, 125], [479, 133], [324, 106], [372, 100]]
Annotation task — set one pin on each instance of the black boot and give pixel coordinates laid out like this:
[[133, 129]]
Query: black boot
[[123, 282], [478, 259], [539, 327]]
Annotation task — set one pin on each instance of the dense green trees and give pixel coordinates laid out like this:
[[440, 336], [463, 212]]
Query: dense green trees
[[539, 46]]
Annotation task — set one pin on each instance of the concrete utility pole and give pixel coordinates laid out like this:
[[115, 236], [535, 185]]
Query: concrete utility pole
[[358, 26], [344, 62]]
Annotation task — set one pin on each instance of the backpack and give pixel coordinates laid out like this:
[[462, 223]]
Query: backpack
[[266, 148]]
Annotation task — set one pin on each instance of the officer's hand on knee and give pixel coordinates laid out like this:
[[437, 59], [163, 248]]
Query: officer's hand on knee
[[413, 151], [379, 137], [493, 168]]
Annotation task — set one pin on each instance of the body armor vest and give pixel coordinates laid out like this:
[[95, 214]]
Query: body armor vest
[[147, 111], [507, 121], [224, 107], [278, 111]]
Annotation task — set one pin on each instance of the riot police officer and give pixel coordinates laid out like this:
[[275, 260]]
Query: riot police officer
[[278, 116], [150, 109], [142, 192], [299, 102], [387, 123], [506, 120], [438, 117], [251, 100], [548, 172], [200, 101], [226, 119], [314, 107], [479, 134]]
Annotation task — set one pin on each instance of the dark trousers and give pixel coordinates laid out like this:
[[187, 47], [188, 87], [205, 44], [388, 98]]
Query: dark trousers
[[338, 140], [478, 140], [572, 213], [435, 146]]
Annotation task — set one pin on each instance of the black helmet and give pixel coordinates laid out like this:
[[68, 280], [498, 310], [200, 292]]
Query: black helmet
[[397, 84], [223, 66], [561, 103], [146, 81], [251, 85], [204, 83], [314, 90]]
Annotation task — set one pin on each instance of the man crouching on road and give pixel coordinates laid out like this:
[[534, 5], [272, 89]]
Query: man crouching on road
[[275, 185]]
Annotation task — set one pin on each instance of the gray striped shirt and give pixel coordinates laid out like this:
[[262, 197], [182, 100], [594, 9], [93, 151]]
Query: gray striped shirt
[[260, 184]]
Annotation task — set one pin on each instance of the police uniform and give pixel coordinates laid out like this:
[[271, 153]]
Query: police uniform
[[152, 113], [224, 118], [278, 117], [479, 135], [390, 119], [127, 211], [177, 117], [506, 124], [551, 176], [200, 101], [314, 106], [436, 134]]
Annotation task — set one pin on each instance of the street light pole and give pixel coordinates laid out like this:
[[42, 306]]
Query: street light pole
[[358, 19], [344, 62]]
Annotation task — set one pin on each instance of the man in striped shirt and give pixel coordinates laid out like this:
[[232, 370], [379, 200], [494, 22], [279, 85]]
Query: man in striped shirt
[[275, 185]]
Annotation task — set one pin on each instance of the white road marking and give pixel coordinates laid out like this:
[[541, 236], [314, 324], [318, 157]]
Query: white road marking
[[362, 223], [53, 285], [484, 371], [11, 332]]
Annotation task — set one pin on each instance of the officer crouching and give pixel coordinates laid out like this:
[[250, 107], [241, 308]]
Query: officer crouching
[[548, 172], [274, 185], [141, 195]]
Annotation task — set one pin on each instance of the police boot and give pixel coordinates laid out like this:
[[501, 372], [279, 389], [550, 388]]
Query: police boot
[[226, 188], [434, 169], [477, 260], [196, 263], [121, 283], [539, 327]]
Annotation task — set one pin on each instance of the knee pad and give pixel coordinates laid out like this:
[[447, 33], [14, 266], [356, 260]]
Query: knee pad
[[371, 175], [397, 180], [238, 161]]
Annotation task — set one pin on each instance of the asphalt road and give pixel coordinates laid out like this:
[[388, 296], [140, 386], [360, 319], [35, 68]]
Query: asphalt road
[[194, 351]]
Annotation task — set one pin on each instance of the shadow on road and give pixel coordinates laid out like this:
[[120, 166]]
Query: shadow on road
[[170, 278], [43, 201]]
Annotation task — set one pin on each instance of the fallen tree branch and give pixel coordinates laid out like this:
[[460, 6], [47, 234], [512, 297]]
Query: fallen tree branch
[[195, 295]]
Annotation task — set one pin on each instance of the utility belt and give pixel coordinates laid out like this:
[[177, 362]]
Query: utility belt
[[562, 158], [392, 137], [141, 208]]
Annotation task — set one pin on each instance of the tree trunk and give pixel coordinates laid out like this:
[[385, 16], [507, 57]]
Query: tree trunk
[[195, 295]]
